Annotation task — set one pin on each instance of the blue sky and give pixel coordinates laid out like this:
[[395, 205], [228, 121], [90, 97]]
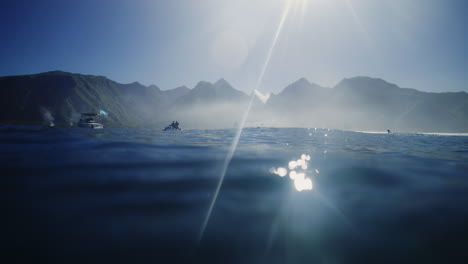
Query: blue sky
[[419, 44]]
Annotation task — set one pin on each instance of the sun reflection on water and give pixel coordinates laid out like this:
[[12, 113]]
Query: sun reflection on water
[[297, 173]]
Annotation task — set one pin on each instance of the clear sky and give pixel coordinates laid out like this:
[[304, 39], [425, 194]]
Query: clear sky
[[421, 44]]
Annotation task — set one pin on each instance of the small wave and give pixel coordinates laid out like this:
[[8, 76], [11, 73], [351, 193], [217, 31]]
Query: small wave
[[447, 134]]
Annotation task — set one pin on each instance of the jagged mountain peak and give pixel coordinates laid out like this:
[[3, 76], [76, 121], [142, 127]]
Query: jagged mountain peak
[[222, 83], [301, 86], [182, 90], [364, 82], [64, 73], [135, 86], [136, 83], [183, 87], [155, 87], [301, 81], [202, 85], [206, 92], [56, 72]]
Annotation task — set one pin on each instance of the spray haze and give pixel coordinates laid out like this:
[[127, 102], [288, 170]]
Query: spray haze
[[360, 103], [47, 116]]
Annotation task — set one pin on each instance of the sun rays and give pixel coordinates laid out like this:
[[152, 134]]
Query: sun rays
[[233, 147], [296, 6]]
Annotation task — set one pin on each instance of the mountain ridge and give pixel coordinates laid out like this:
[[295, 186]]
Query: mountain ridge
[[357, 103]]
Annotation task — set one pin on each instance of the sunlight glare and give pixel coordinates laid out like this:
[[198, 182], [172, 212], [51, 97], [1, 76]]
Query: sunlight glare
[[292, 164], [280, 171], [301, 181], [292, 175]]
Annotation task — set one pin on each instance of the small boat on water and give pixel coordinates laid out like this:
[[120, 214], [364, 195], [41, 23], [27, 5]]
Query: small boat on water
[[90, 120], [172, 126]]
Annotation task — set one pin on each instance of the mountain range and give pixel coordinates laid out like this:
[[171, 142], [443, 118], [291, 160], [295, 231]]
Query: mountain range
[[359, 103]]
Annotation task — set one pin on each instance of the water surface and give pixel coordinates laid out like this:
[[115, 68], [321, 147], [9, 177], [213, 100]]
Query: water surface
[[140, 196]]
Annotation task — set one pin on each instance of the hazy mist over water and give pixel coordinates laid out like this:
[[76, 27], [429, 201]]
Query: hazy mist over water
[[140, 196]]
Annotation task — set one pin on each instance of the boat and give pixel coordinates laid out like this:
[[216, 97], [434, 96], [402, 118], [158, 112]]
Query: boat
[[89, 120], [173, 126], [168, 128]]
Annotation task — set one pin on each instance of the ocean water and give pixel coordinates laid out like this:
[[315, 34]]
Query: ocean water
[[73, 195]]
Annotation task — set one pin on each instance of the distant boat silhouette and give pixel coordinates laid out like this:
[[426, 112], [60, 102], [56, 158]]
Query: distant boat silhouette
[[173, 126]]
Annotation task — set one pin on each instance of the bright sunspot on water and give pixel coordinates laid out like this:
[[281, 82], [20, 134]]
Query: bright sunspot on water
[[301, 181], [279, 171]]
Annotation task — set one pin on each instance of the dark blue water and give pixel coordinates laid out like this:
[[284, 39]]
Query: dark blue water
[[140, 196]]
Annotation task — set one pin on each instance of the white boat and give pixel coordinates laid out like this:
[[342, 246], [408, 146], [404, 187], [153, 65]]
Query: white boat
[[89, 120]]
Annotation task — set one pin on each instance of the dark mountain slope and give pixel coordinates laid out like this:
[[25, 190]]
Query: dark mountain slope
[[24, 98]]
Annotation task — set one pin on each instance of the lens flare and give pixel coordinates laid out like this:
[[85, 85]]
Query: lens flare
[[358, 22], [235, 141]]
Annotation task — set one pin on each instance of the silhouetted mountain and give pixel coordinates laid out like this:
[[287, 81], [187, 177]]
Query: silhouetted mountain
[[359, 103], [208, 93], [61, 93], [303, 91], [371, 103], [171, 95], [66, 95], [364, 103], [209, 105], [298, 101]]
